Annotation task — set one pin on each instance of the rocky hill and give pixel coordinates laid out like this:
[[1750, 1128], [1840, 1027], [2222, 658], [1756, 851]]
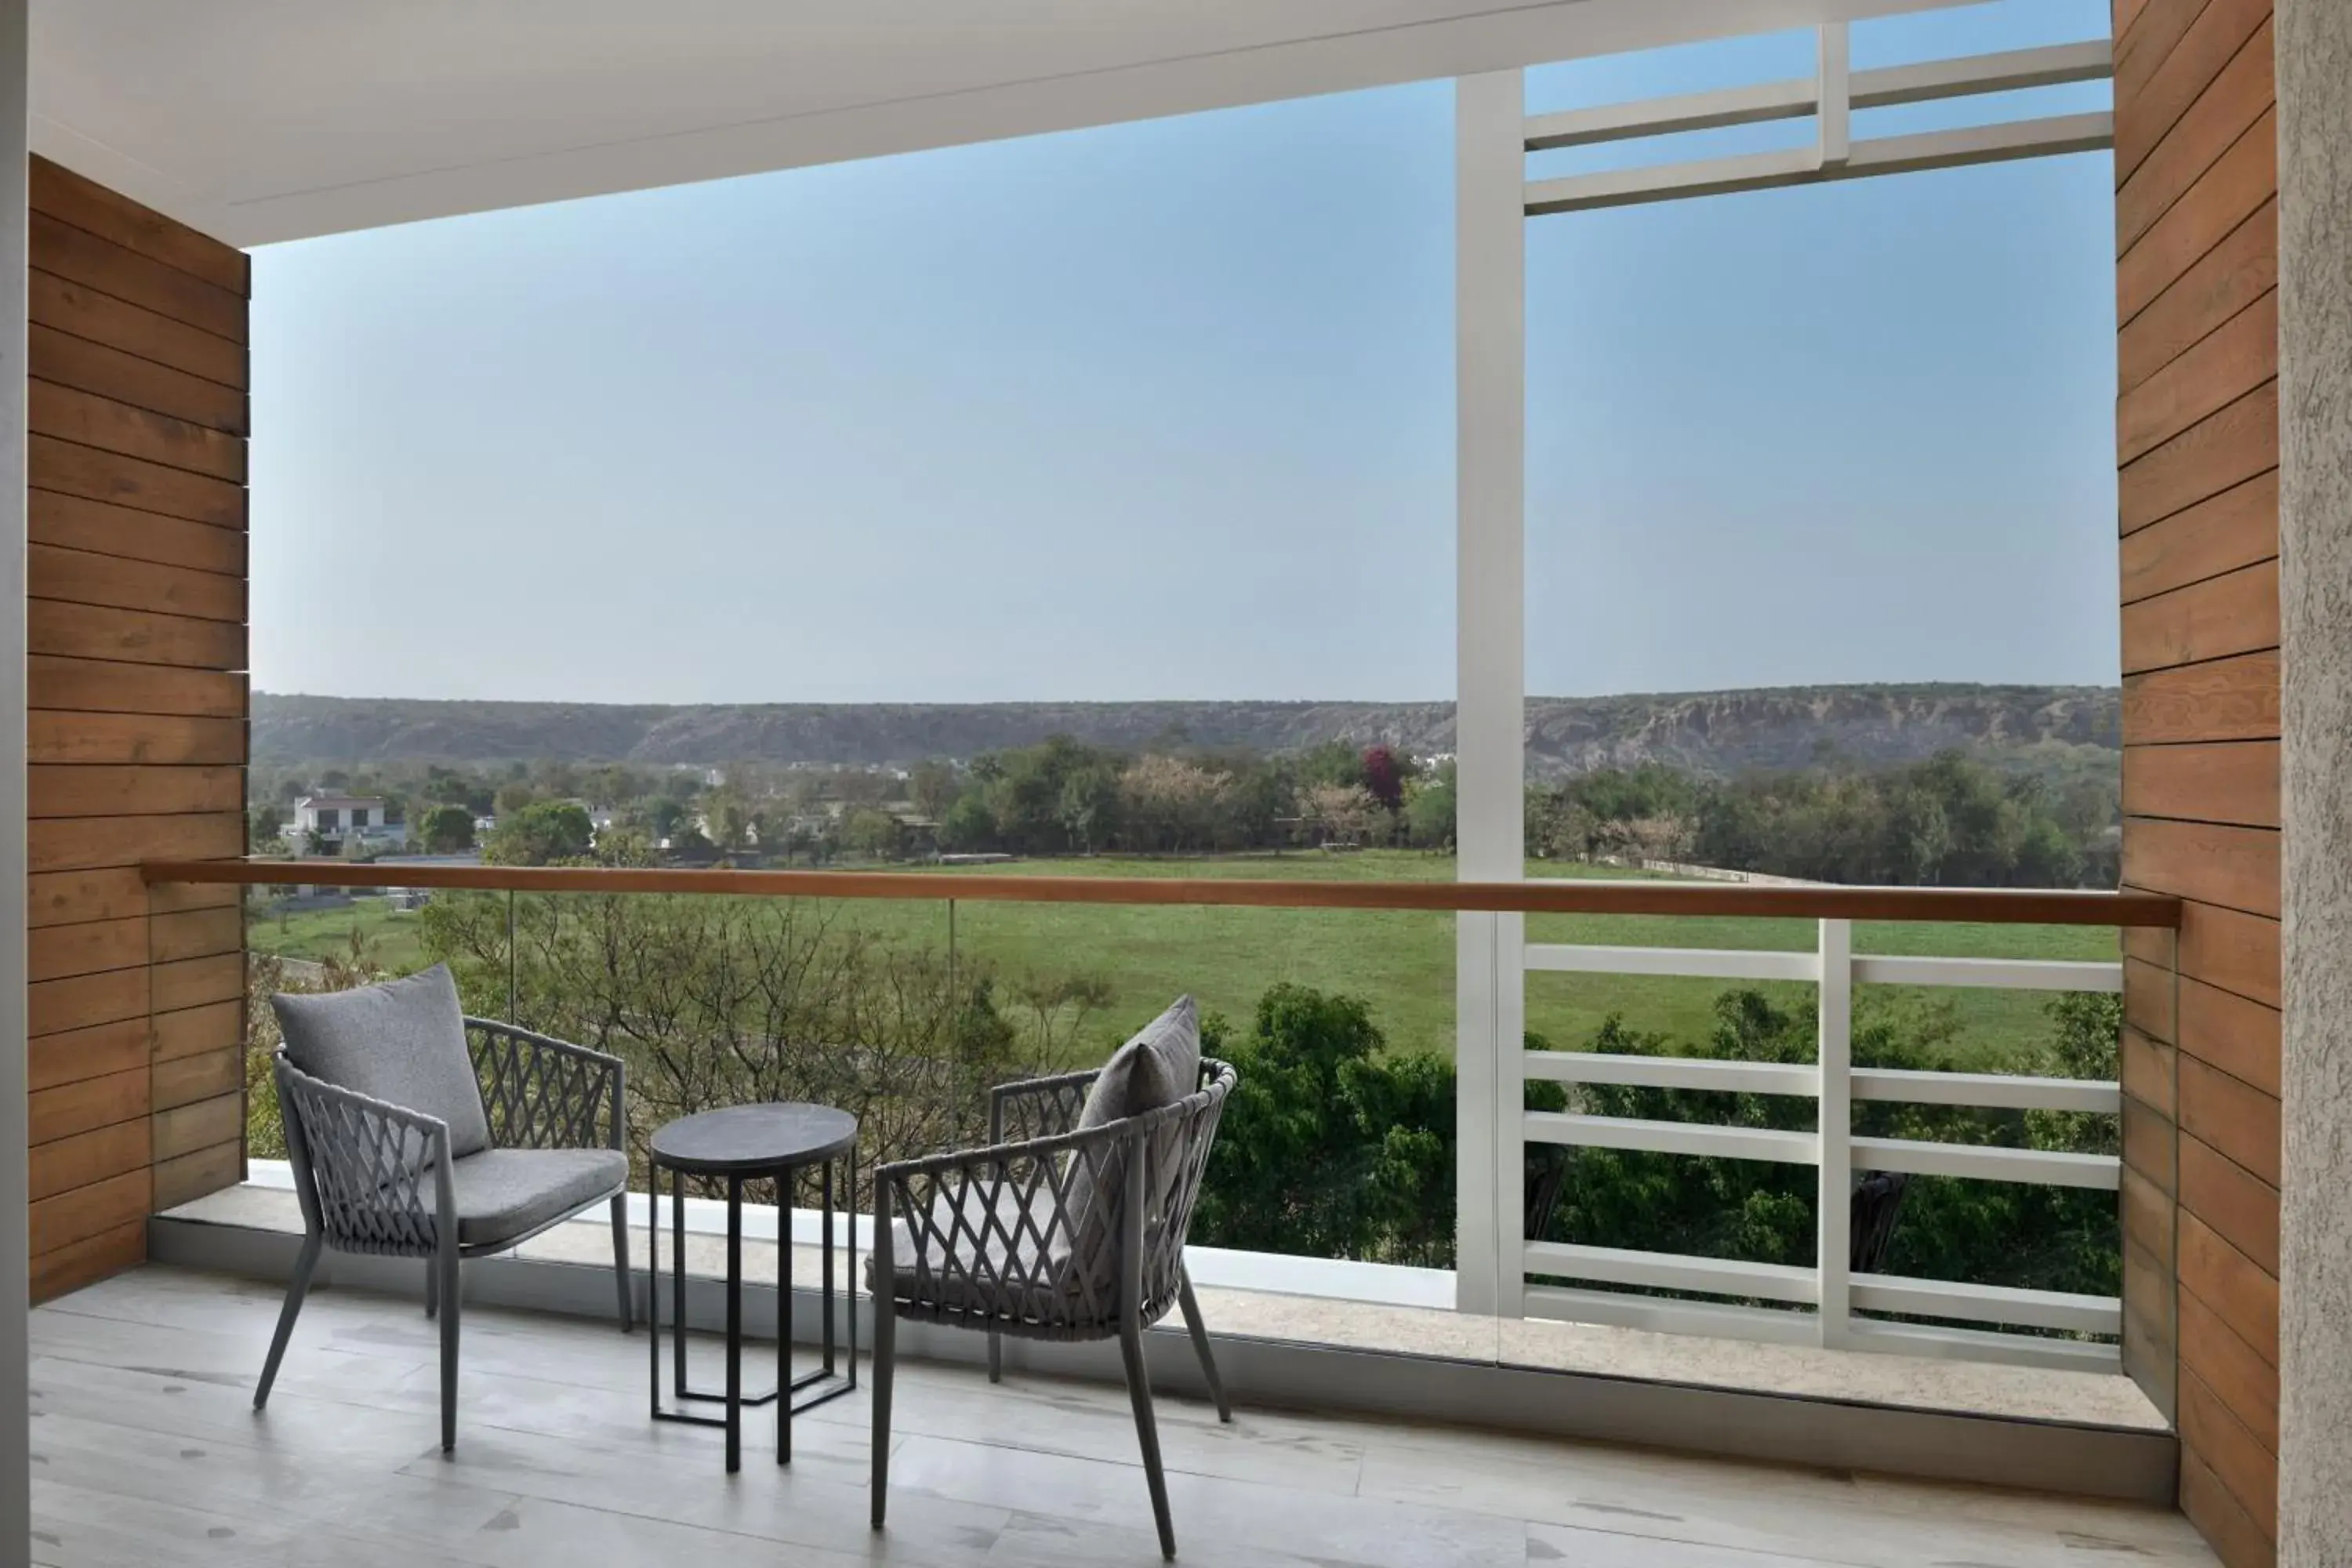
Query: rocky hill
[[1707, 731]]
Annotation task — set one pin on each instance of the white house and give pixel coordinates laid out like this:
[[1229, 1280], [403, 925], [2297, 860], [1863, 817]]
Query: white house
[[336, 819]]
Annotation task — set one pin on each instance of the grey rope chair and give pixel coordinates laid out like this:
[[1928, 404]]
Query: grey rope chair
[[377, 1178], [1050, 1234]]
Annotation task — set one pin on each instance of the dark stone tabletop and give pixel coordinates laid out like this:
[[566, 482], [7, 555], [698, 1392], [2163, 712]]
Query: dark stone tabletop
[[746, 1138]]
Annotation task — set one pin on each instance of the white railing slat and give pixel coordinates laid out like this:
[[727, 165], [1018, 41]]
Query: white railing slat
[[1991, 1092], [1989, 1304], [1671, 1072], [1664, 1315], [1674, 1271], [2000, 973], [1670, 1137], [1697, 962], [1988, 1162]]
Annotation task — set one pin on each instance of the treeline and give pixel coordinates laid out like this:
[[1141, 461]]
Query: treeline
[[1950, 821], [1953, 820]]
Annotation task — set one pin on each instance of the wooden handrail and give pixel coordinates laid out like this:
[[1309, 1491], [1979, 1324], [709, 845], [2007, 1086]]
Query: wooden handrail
[[1987, 906]]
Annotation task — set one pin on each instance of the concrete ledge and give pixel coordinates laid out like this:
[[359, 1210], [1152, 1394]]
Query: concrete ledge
[[2077, 1459]]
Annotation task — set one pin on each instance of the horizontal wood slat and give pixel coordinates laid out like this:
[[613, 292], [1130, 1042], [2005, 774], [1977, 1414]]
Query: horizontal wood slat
[[2146, 1069], [2232, 1118], [2232, 782], [73, 1265], [203, 1124], [62, 898], [2237, 528], [2225, 196], [55, 952], [2147, 1217], [83, 1001], [2232, 361], [100, 791], [2240, 1205], [133, 636], [197, 981], [2235, 613], [197, 1031], [89, 419], [2231, 950], [86, 205], [76, 522], [2148, 1005], [133, 739], [88, 686], [191, 1176], [69, 467], [88, 313], [2226, 1526], [2236, 272], [187, 1079], [64, 360], [76, 576], [2150, 1145], [2228, 700], [2222, 450], [87, 1104], [116, 269], [196, 933], [2248, 1469], [2234, 1032], [84, 1212], [86, 1159], [76, 1056], [2238, 78], [2236, 868], [78, 843], [2231, 1284], [2228, 1365], [2143, 43]]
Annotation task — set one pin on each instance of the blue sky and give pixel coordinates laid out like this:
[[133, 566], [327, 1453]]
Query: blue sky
[[1166, 410]]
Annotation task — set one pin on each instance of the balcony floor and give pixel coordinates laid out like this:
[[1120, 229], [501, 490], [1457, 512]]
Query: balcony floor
[[146, 1450]]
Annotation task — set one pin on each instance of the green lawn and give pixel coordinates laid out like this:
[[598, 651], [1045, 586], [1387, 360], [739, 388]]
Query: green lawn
[[1402, 963]]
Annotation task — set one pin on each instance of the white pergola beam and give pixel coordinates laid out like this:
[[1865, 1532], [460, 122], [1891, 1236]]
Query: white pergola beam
[[2011, 70], [1878, 155]]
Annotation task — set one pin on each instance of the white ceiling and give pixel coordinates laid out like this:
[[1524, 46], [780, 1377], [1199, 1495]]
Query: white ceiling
[[268, 119]]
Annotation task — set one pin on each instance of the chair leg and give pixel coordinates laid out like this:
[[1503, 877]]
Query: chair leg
[[450, 1301], [995, 1356], [432, 1285], [621, 1255], [886, 1338], [1147, 1431], [1200, 1333], [296, 1288]]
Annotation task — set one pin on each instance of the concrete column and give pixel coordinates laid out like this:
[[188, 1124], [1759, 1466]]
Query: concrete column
[[2315, 90]]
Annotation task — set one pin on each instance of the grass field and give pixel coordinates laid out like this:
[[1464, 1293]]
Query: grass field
[[1402, 963]]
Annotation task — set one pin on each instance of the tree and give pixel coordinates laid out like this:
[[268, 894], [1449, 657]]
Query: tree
[[539, 835], [726, 818], [262, 826], [871, 832], [1345, 811], [969, 826], [513, 797], [933, 787], [1383, 777], [1429, 809], [445, 830]]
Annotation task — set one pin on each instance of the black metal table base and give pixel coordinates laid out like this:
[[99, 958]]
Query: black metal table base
[[828, 1379]]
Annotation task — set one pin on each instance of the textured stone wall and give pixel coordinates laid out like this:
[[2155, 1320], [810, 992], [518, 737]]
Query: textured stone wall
[[2315, 92]]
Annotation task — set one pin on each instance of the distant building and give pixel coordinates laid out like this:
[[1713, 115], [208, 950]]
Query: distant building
[[338, 819]]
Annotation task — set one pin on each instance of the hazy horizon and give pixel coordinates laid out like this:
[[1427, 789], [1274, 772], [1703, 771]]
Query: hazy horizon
[[1154, 410]]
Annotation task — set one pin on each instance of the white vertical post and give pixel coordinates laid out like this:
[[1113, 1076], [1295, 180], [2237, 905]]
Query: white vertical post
[[1834, 113], [1834, 1206], [16, 1485], [1490, 676]]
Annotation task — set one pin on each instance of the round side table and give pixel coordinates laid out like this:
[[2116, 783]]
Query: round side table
[[741, 1143]]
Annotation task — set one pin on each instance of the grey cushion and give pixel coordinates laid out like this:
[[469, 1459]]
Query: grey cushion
[[403, 1042], [1159, 1064], [505, 1194], [967, 1262]]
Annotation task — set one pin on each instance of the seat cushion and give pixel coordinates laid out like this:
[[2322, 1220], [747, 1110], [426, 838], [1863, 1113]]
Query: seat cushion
[[506, 1193], [403, 1042], [962, 1265]]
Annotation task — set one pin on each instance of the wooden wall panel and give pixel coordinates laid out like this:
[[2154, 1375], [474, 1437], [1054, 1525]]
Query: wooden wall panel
[[2197, 458], [136, 606]]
